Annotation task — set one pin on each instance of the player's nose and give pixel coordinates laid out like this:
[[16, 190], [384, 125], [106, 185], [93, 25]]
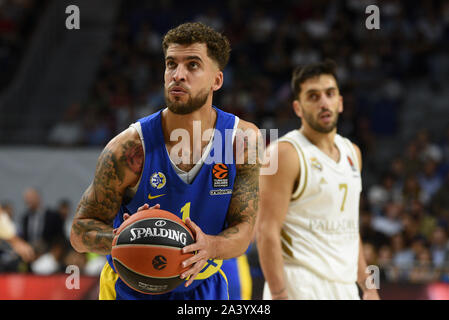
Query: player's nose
[[180, 73], [324, 102]]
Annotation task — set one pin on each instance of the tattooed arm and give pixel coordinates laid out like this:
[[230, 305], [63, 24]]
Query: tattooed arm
[[118, 168], [241, 216]]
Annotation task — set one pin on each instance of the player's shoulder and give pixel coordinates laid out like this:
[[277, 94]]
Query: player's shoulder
[[288, 143], [125, 151], [244, 125], [246, 145], [247, 134], [127, 138], [282, 155], [356, 148]]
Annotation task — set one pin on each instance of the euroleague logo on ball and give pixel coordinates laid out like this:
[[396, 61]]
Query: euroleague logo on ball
[[159, 262]]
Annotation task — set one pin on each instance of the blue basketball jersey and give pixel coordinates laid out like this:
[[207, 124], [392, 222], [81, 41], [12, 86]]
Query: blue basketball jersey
[[238, 275], [206, 200]]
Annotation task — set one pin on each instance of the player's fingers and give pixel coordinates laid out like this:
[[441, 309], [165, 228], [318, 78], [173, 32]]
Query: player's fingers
[[193, 272], [144, 207], [193, 227], [193, 247], [192, 260], [125, 216]]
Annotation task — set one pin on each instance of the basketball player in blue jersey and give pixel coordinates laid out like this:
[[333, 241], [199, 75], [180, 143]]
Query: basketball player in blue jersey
[[144, 165]]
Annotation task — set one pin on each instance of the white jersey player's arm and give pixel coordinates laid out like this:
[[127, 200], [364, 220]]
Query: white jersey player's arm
[[368, 294], [275, 194]]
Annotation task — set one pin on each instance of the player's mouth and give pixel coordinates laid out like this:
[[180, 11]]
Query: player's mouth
[[177, 91], [325, 116]]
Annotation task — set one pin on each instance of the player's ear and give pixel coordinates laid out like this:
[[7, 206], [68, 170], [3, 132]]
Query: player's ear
[[297, 108], [218, 82]]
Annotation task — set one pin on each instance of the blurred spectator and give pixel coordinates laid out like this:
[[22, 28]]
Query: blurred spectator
[[423, 271], [8, 208], [439, 247], [412, 159], [411, 190], [410, 227], [380, 195], [94, 264], [388, 271], [445, 148], [403, 256], [63, 209], [11, 244], [368, 234], [389, 223], [52, 261], [40, 227], [75, 258], [69, 131], [440, 201], [428, 151], [429, 180]]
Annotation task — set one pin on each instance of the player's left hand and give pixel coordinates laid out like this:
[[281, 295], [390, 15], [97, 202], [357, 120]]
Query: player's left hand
[[203, 248], [370, 294]]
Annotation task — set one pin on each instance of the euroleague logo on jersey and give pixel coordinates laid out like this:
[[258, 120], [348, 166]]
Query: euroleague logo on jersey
[[351, 164], [220, 173]]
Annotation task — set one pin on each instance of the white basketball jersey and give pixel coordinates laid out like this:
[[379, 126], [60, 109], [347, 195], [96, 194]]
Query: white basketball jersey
[[321, 229]]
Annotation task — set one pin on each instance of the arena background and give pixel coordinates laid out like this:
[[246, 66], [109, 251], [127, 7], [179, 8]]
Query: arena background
[[64, 93]]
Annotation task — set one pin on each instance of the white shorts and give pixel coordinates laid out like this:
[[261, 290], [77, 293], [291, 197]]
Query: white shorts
[[303, 284]]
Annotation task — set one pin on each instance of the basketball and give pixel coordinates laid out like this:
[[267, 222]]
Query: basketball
[[146, 251]]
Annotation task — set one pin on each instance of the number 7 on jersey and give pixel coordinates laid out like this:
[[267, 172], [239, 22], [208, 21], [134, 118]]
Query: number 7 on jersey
[[345, 187]]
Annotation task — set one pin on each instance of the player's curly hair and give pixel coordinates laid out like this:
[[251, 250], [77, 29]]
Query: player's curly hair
[[218, 47], [303, 73]]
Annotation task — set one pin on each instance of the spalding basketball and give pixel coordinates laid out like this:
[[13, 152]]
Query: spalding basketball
[[146, 251]]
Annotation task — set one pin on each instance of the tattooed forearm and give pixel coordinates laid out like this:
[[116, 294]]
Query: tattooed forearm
[[95, 235], [245, 197], [118, 166]]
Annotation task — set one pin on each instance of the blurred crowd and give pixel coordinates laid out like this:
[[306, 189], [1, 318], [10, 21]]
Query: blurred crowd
[[405, 211], [37, 241], [404, 218], [268, 41], [17, 20]]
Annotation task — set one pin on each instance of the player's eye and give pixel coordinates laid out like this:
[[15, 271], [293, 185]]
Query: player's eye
[[170, 64], [313, 97], [193, 65], [331, 93]]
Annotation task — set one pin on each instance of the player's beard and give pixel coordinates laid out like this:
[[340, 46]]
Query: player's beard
[[314, 124], [193, 104]]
